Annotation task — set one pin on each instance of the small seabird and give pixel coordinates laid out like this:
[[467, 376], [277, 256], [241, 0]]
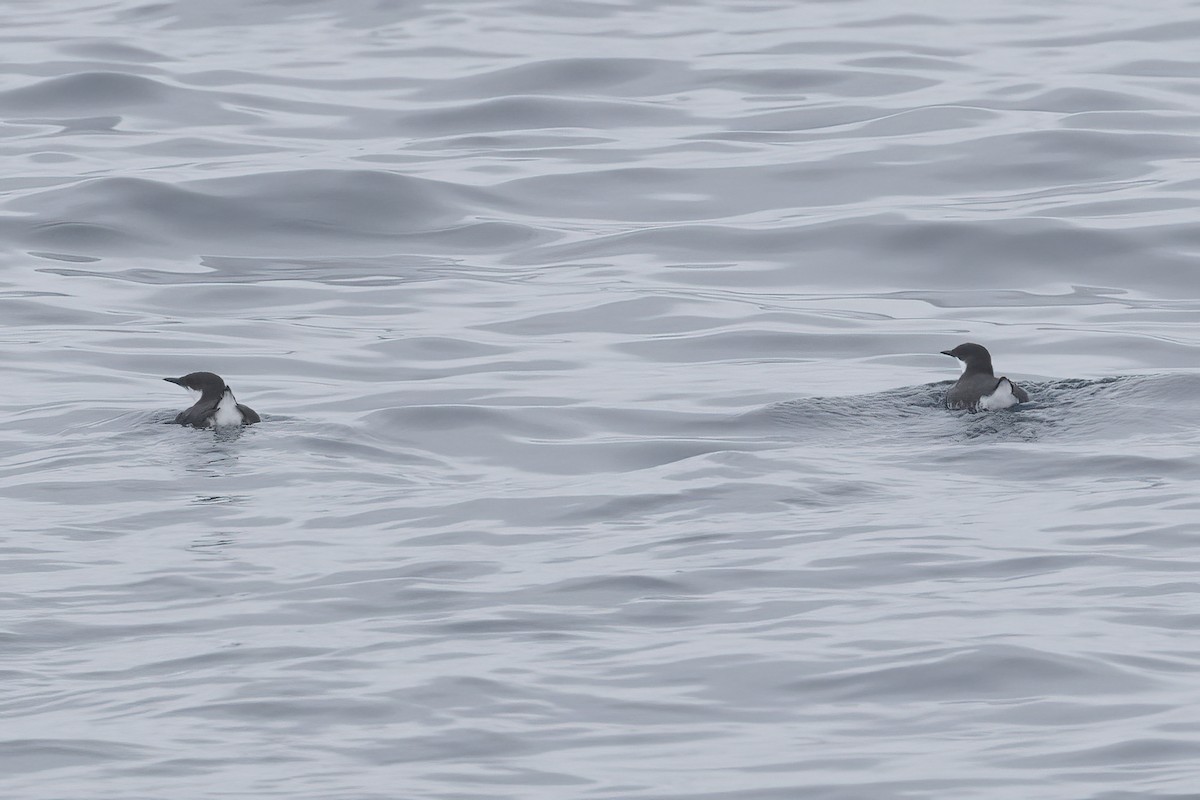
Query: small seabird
[[979, 389], [217, 407]]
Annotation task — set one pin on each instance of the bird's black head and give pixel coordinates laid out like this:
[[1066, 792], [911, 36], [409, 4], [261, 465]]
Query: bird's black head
[[975, 357], [206, 383]]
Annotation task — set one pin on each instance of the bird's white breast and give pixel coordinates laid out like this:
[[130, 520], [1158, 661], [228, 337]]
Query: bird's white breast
[[1003, 397], [227, 412]]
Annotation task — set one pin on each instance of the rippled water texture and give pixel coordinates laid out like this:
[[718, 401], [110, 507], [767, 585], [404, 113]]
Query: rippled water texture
[[597, 349]]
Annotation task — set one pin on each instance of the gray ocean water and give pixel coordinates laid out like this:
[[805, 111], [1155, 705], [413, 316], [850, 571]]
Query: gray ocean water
[[597, 349]]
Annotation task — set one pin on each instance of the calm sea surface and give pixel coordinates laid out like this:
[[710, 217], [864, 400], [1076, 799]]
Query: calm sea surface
[[597, 349]]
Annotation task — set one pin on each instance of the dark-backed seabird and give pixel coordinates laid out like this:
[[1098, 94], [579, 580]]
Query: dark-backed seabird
[[979, 389], [216, 407]]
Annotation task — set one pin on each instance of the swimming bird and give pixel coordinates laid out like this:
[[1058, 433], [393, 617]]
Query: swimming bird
[[217, 407], [979, 389]]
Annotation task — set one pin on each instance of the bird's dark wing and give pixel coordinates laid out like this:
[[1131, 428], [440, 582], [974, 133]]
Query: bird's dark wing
[[249, 415], [969, 388], [1019, 393], [199, 415]]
